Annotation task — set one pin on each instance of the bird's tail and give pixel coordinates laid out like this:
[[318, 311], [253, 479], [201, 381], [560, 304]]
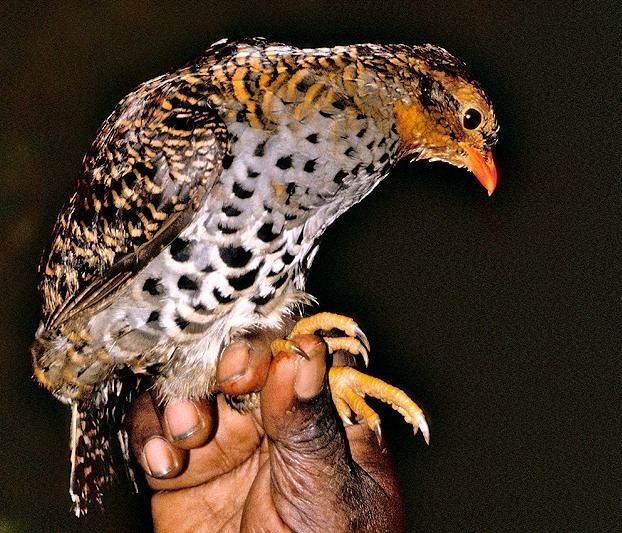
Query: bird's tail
[[97, 440]]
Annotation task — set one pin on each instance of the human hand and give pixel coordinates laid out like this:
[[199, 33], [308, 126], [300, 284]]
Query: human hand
[[288, 465]]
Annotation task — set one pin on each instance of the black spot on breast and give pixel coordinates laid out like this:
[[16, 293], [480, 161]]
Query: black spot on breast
[[383, 158], [231, 211], [370, 168], [339, 177], [262, 300], [273, 273], [182, 323], [361, 132], [370, 145], [207, 269], [241, 192], [202, 310], [279, 282], [241, 116], [338, 104], [266, 233], [153, 316], [291, 216], [153, 286], [187, 284], [356, 169], [291, 188], [309, 165], [349, 151], [287, 258], [244, 281], [235, 256], [260, 150], [221, 298], [226, 230], [312, 138], [284, 162], [227, 160], [252, 173], [325, 114], [180, 250]]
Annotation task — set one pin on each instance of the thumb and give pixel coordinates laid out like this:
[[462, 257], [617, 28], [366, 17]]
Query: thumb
[[308, 458], [295, 396]]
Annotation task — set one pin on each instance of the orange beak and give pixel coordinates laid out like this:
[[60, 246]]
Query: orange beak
[[483, 166]]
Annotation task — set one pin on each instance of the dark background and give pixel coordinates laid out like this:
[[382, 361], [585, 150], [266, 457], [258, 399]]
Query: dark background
[[497, 314]]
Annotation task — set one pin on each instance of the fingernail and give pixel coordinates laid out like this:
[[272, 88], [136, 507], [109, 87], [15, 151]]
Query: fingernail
[[158, 457], [234, 363], [183, 419], [309, 377]]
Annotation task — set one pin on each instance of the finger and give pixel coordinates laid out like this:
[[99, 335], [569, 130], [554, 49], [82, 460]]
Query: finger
[[243, 366], [236, 440], [292, 380], [157, 456], [310, 459], [307, 452], [189, 424]]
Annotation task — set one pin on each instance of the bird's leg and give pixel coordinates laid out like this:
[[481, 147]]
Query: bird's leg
[[347, 385]]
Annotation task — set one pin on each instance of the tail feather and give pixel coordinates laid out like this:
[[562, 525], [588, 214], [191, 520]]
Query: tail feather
[[91, 462], [97, 440]]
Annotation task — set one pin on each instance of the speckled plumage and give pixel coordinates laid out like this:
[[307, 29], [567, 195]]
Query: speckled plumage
[[199, 206]]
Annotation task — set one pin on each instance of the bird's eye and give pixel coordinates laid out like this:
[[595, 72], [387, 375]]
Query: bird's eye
[[471, 119]]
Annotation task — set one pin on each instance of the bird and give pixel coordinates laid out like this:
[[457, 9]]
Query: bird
[[198, 211]]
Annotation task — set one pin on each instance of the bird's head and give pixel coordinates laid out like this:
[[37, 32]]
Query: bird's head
[[444, 115]]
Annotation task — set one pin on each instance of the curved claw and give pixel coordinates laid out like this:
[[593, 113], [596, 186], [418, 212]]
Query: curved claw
[[423, 426], [351, 345], [365, 356], [285, 345], [378, 431], [299, 351], [358, 333]]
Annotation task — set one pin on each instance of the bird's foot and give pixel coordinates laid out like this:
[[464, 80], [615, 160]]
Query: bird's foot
[[355, 342], [243, 403], [349, 386]]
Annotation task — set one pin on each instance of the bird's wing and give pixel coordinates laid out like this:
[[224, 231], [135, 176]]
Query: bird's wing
[[154, 161]]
